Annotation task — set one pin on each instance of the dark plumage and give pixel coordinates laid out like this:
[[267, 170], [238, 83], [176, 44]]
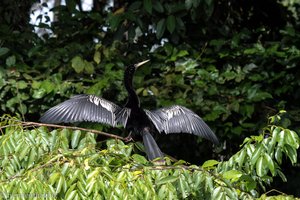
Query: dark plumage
[[173, 119]]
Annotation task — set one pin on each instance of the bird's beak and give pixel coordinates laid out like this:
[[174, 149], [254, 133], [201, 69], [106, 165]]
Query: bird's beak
[[140, 63]]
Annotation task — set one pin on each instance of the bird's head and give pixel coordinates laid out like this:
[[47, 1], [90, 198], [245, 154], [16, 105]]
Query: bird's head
[[132, 68]]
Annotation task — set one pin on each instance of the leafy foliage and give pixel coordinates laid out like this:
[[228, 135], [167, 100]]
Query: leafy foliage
[[38, 163]]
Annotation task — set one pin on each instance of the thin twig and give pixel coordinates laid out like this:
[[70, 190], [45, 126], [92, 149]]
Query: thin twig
[[67, 127]]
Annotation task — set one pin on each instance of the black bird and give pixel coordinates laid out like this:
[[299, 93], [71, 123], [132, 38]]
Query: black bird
[[173, 119]]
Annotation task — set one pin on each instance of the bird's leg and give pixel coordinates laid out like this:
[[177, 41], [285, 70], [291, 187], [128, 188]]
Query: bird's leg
[[128, 138]]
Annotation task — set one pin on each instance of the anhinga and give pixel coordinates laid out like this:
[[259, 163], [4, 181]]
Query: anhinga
[[173, 119]]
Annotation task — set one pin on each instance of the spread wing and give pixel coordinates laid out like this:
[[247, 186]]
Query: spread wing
[[179, 119], [87, 108]]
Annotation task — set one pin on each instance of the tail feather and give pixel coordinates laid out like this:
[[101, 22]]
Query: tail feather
[[151, 147]]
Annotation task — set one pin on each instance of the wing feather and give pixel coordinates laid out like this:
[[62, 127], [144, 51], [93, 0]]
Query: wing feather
[[87, 108], [179, 119], [122, 115]]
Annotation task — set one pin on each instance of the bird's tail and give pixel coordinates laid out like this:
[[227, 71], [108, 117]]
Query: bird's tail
[[151, 147]]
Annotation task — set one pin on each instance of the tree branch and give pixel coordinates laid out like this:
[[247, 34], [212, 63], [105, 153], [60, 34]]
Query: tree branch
[[66, 127]]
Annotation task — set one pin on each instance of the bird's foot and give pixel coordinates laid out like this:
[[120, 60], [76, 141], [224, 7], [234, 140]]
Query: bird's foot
[[128, 138]]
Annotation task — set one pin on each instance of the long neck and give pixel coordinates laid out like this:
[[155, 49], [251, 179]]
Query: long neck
[[133, 100]]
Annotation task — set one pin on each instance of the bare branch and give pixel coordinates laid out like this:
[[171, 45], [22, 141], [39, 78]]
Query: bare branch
[[66, 127]]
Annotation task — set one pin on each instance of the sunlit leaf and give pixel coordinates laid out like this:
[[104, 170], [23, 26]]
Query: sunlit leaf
[[241, 157], [291, 138], [217, 193], [210, 163], [139, 159], [232, 174], [59, 184], [88, 67], [168, 179], [291, 153], [281, 138], [77, 64], [270, 164], [256, 154], [75, 138], [260, 166], [278, 154], [97, 57]]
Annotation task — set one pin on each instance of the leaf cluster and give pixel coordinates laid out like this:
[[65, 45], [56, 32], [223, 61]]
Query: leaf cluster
[[39, 163]]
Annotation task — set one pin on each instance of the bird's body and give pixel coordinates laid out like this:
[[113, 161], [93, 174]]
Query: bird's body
[[173, 119]]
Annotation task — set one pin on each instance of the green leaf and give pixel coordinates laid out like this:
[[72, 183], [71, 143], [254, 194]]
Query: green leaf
[[37, 94], [261, 166], [32, 157], [54, 177], [75, 138], [114, 21], [171, 23], [217, 193], [232, 174], [208, 2], [183, 187], [291, 153], [154, 90], [135, 5], [231, 193], [188, 4], [180, 162], [97, 57], [261, 96], [278, 154], [160, 28], [281, 138], [3, 51], [210, 163], [291, 138], [48, 86], [77, 64], [241, 157], [71, 193], [148, 6], [59, 184], [21, 84], [158, 6], [92, 174], [209, 186], [168, 179], [139, 159], [81, 188], [88, 67], [256, 154], [183, 53], [270, 163], [24, 152], [275, 132], [249, 182], [11, 60], [282, 176]]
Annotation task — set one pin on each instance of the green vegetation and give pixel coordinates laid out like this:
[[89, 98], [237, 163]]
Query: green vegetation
[[235, 63], [71, 165]]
